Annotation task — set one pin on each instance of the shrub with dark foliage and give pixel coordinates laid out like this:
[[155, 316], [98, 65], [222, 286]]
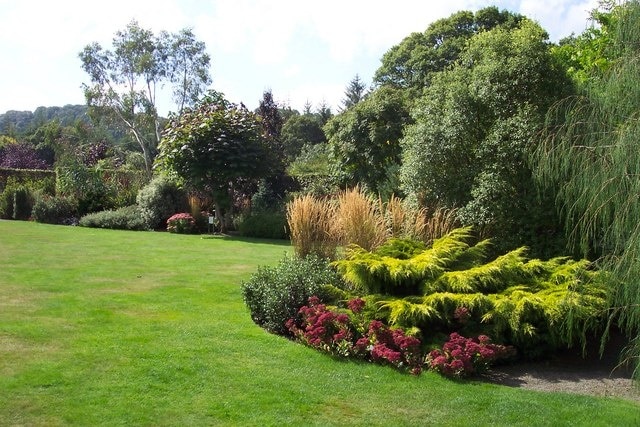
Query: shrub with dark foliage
[[268, 225], [21, 156], [275, 294]]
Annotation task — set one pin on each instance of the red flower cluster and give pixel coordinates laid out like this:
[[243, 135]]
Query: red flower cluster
[[323, 328], [181, 223], [356, 305], [335, 333], [391, 346], [462, 356]]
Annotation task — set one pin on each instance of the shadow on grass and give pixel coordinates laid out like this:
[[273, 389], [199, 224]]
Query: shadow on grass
[[238, 238]]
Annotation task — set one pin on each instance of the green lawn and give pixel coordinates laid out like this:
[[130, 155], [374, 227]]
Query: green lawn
[[105, 327]]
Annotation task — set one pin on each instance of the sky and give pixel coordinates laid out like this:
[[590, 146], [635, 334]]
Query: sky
[[304, 51]]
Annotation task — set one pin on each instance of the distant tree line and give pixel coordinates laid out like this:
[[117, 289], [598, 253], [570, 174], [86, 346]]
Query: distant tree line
[[15, 123]]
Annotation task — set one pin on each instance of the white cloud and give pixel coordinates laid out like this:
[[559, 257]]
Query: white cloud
[[300, 49], [560, 18], [350, 28]]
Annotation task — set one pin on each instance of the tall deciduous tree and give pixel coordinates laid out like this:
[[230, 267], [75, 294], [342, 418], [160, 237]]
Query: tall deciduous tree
[[125, 81], [472, 130], [215, 147], [365, 140], [590, 159], [411, 64], [187, 66]]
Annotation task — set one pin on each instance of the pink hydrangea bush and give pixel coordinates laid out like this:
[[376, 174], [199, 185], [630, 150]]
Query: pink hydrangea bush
[[462, 357], [181, 223]]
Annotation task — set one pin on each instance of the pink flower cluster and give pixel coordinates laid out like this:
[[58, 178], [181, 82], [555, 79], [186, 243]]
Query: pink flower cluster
[[462, 356], [384, 345], [181, 223], [356, 305], [322, 328], [335, 333]]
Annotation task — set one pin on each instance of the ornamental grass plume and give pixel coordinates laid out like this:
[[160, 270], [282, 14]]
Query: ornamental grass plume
[[410, 222], [437, 223], [310, 223], [359, 220]]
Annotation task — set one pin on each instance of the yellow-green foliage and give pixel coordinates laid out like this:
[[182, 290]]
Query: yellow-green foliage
[[488, 278], [372, 272], [533, 304]]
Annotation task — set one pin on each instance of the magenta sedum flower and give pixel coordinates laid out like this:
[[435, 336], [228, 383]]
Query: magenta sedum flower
[[462, 356], [356, 305], [334, 332]]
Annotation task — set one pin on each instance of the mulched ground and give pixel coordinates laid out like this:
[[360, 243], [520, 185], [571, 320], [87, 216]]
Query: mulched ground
[[570, 372]]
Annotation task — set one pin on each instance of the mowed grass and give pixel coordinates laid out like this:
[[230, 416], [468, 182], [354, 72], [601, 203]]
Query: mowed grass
[[105, 327]]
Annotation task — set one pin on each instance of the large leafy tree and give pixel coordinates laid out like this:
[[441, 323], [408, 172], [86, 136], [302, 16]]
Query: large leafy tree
[[589, 55], [590, 159], [472, 130], [300, 130], [125, 81], [217, 147], [411, 64], [365, 140]]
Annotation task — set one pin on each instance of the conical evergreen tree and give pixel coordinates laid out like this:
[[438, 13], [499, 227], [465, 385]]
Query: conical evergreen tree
[[355, 92]]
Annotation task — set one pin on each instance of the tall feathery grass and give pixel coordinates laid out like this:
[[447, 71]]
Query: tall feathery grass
[[359, 220], [436, 223], [311, 226], [415, 223], [319, 225]]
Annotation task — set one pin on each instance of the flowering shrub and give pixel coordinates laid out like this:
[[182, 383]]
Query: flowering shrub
[[323, 329], [336, 333], [356, 305], [392, 346], [181, 223], [462, 356]]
